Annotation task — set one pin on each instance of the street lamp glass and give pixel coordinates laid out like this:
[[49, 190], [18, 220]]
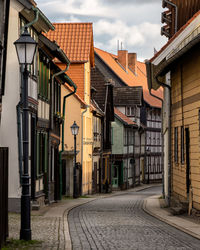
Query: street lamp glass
[[26, 48], [74, 128]]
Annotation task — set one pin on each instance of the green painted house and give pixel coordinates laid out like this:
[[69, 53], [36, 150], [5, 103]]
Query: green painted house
[[123, 138]]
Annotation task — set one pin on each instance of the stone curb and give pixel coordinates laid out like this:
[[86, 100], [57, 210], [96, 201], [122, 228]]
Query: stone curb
[[174, 224]]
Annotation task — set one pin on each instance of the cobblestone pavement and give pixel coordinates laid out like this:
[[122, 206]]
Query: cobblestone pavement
[[119, 222], [45, 229]]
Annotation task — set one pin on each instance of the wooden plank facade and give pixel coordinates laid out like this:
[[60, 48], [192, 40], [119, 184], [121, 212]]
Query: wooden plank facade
[[185, 122]]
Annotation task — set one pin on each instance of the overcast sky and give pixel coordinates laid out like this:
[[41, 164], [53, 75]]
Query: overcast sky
[[135, 23]]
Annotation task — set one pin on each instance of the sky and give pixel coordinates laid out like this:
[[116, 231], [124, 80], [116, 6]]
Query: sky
[[134, 25]]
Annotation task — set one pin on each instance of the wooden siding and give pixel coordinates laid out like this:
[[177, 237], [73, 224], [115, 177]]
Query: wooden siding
[[185, 112]]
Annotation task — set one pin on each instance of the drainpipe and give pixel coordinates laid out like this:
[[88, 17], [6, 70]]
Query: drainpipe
[[162, 150], [63, 115], [32, 22], [63, 128], [82, 140], [176, 9], [19, 135], [169, 139]]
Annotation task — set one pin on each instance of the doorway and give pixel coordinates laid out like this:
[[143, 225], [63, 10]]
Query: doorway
[[187, 142]]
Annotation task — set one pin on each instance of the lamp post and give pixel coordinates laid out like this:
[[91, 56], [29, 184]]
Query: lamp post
[[26, 48], [74, 129], [148, 155]]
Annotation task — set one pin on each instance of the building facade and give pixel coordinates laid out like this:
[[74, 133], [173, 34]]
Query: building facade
[[80, 72], [175, 68], [125, 71]]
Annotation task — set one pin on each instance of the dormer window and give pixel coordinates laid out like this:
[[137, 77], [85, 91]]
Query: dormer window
[[130, 111]]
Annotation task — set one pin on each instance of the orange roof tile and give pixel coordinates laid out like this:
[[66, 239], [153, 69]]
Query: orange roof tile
[[75, 39], [130, 78], [124, 118], [175, 35]]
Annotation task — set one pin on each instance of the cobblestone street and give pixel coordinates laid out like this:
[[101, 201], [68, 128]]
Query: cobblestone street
[[119, 222]]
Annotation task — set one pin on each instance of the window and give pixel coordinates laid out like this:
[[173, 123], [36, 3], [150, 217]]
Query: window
[[125, 136], [128, 111], [176, 144], [57, 98], [42, 153], [132, 111], [131, 137], [112, 131], [182, 144], [44, 76]]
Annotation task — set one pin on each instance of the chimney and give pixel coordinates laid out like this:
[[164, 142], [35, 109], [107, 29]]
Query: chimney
[[123, 58], [132, 62]]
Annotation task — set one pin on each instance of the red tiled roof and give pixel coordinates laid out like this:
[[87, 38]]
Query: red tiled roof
[[123, 117], [174, 36], [75, 39], [130, 78]]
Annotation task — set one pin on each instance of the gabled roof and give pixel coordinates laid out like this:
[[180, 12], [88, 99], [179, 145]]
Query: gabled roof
[[124, 118], [126, 95], [129, 77], [75, 39]]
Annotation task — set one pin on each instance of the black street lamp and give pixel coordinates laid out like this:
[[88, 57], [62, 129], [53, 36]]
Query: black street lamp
[[148, 161], [26, 48], [74, 129]]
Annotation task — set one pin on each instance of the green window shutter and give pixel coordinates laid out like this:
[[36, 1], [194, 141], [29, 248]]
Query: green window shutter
[[38, 154], [42, 78], [46, 153], [45, 82]]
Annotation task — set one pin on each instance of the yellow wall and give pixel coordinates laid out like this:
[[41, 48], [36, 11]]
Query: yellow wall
[[72, 113], [87, 135], [186, 113]]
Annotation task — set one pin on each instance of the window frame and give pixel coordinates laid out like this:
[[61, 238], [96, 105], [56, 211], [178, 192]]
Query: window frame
[[176, 145]]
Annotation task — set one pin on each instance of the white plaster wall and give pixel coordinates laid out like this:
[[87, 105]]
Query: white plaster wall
[[8, 129]]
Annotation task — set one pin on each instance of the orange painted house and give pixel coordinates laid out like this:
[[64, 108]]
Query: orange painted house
[[76, 40]]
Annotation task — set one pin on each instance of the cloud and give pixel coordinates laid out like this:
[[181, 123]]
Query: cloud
[[132, 37], [132, 2], [135, 23]]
